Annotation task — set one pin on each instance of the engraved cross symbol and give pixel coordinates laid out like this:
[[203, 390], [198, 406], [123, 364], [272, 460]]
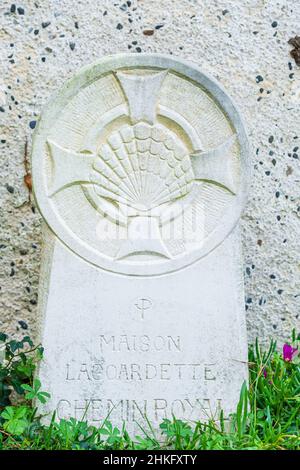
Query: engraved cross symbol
[[142, 305], [120, 176]]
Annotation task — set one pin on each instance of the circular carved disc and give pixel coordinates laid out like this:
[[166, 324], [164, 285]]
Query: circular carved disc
[[140, 164]]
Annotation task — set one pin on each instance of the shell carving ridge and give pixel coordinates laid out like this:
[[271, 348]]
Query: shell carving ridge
[[143, 166]]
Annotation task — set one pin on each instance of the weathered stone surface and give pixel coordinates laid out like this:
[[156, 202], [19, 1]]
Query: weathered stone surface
[[126, 347], [141, 170]]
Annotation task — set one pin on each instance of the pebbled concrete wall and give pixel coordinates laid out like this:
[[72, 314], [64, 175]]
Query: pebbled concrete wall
[[243, 44]]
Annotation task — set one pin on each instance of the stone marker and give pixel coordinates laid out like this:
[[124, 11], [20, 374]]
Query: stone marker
[[140, 169]]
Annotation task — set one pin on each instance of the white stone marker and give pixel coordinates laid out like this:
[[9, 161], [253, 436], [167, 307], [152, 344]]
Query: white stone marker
[[140, 168]]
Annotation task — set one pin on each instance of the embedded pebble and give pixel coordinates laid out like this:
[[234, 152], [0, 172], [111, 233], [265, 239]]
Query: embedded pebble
[[23, 324]]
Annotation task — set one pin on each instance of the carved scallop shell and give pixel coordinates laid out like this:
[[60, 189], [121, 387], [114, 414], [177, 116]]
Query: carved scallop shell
[[143, 166]]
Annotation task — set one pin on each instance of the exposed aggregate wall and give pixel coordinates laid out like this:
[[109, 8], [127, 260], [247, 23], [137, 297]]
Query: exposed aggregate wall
[[243, 44]]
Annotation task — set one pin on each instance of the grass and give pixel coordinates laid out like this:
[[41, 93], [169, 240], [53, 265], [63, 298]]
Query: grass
[[267, 415]]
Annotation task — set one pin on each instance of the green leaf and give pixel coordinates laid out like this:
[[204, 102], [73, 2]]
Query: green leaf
[[36, 384], [28, 340], [3, 337], [27, 387], [8, 413], [43, 396], [20, 412], [16, 426]]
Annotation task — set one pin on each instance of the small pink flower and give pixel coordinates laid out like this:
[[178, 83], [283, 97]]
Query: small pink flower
[[265, 374], [288, 352]]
